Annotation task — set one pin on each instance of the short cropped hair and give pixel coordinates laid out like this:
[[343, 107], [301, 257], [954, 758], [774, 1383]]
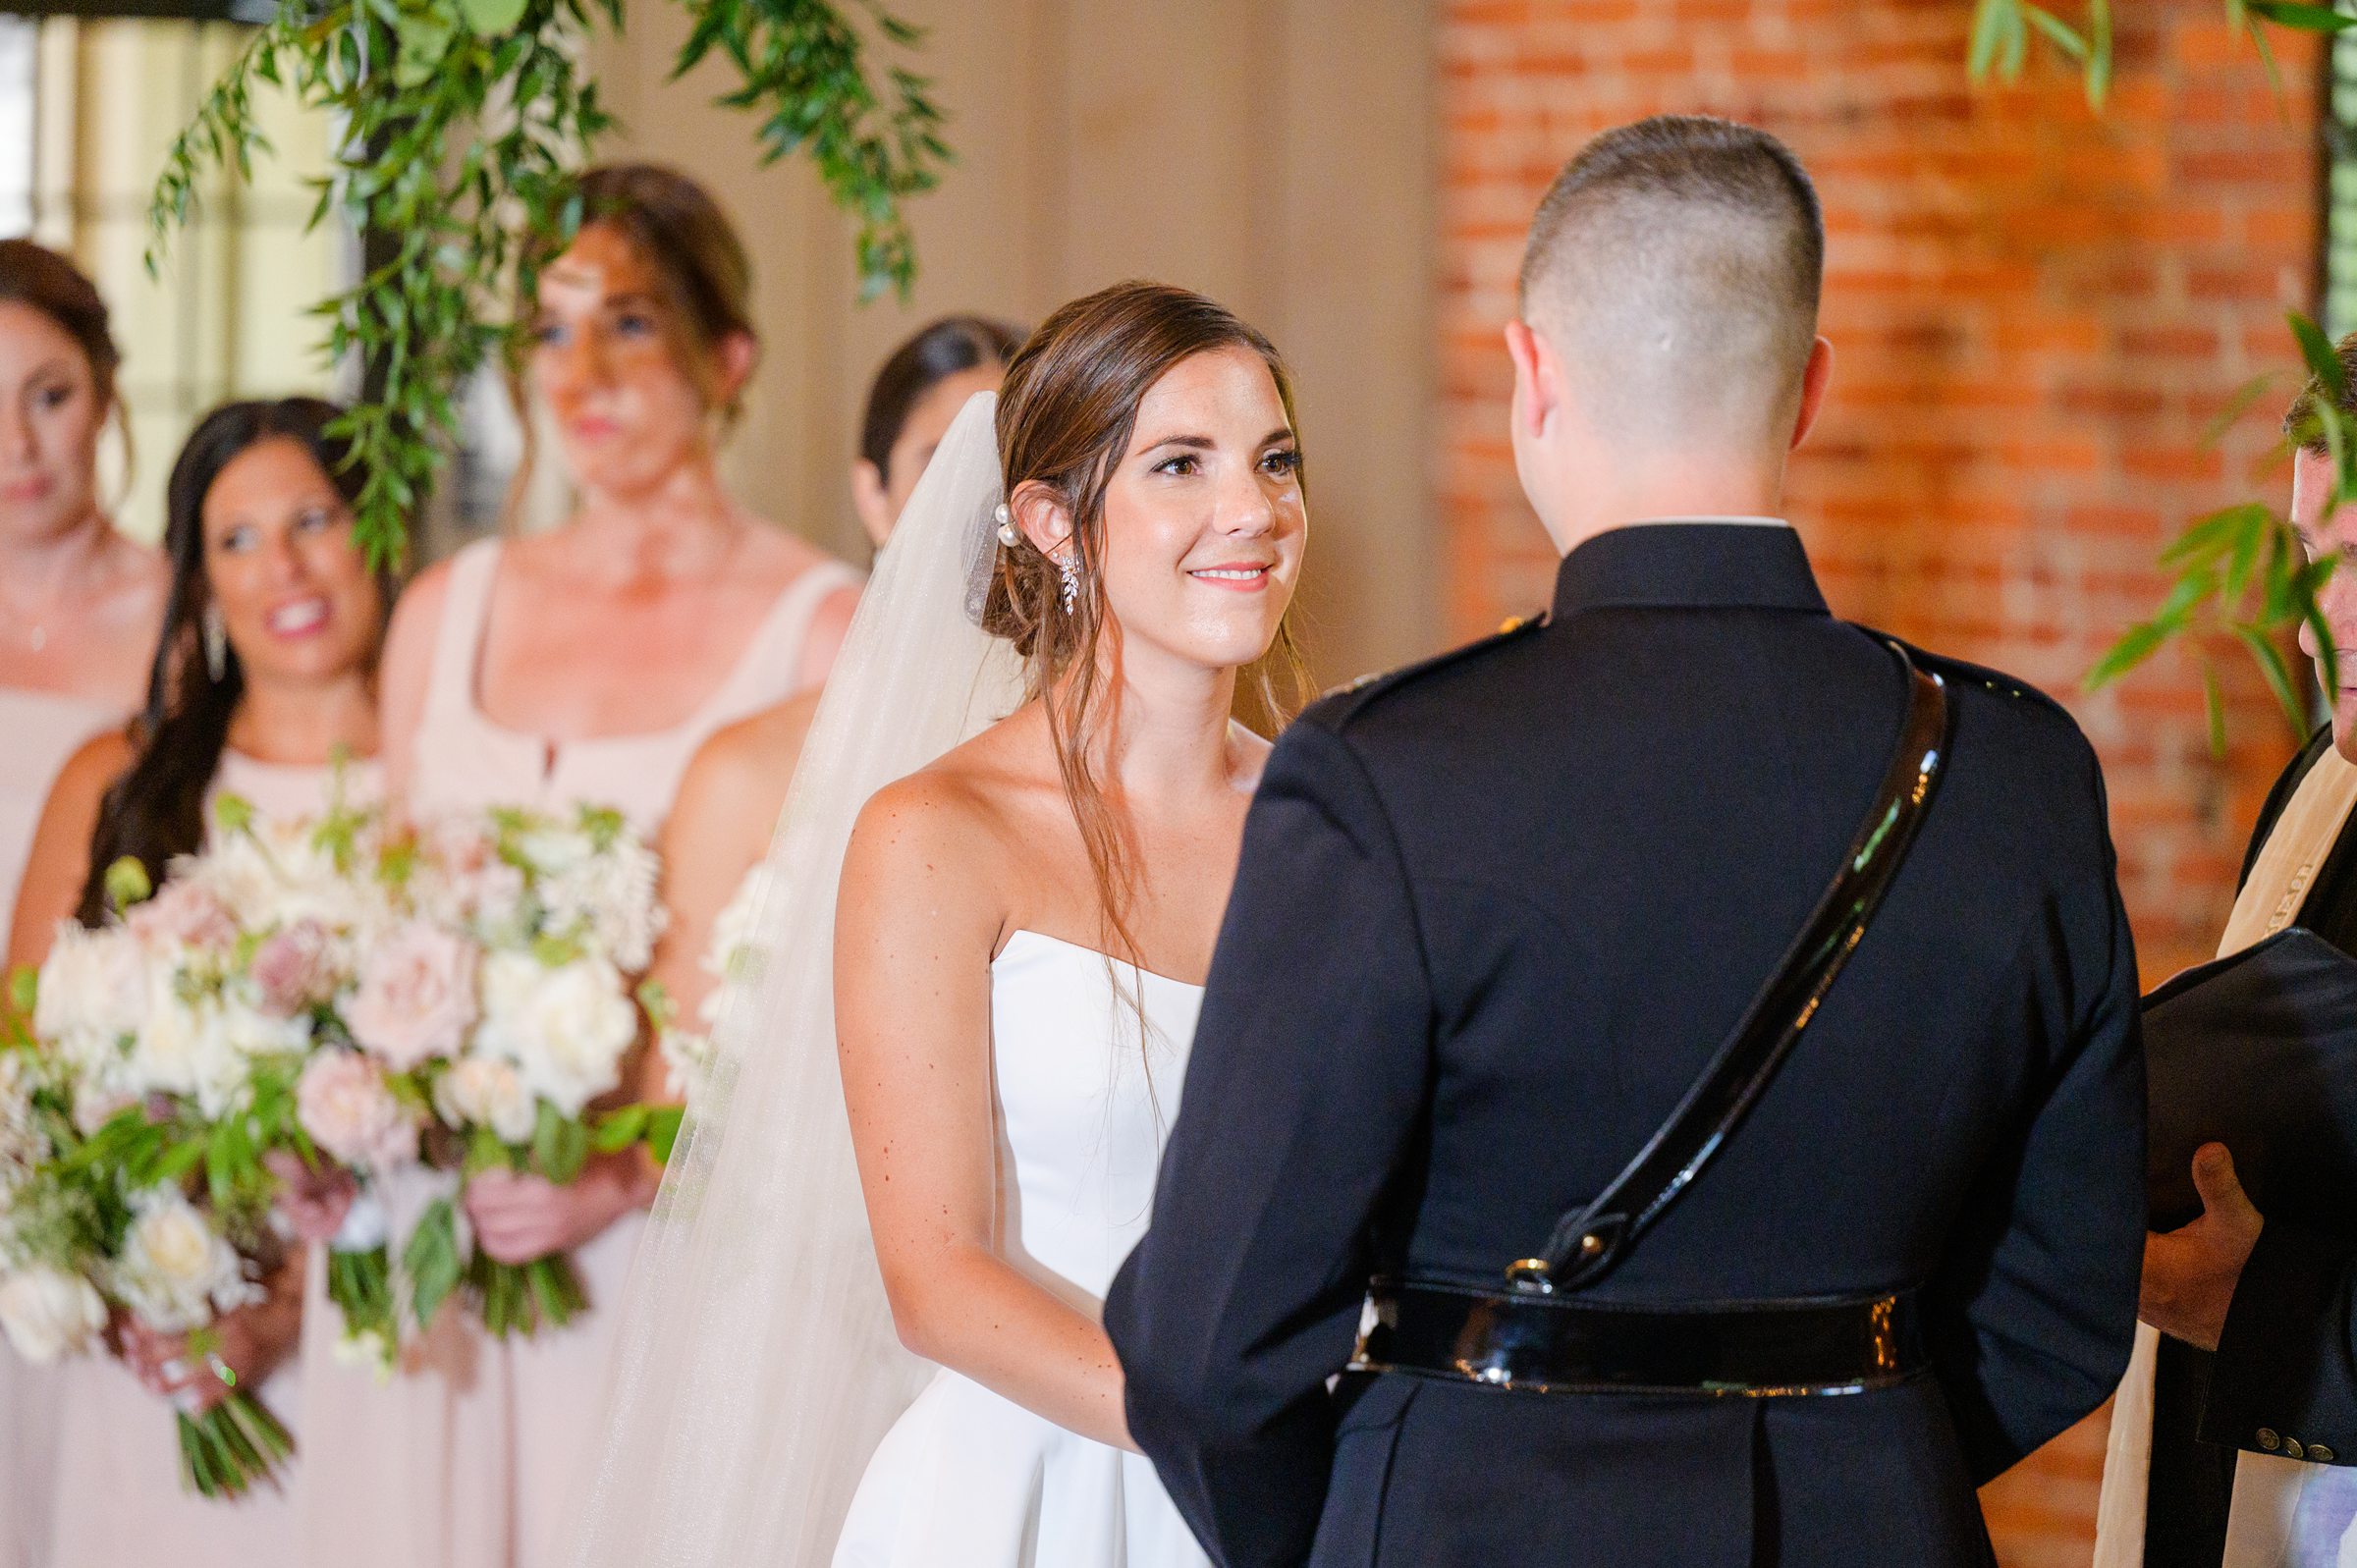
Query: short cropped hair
[[1677, 267], [2303, 427]]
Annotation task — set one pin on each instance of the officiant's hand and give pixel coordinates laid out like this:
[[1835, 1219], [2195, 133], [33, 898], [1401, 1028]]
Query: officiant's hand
[[2190, 1273]]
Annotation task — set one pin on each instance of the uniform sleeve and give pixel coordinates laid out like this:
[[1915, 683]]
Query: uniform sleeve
[[1306, 1083], [2039, 1289], [2286, 1364]]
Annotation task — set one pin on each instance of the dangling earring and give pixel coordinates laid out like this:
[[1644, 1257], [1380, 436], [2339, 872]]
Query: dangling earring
[[216, 644], [1072, 580], [1007, 534]]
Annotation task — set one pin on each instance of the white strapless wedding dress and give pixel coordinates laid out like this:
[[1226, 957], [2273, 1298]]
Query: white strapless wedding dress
[[965, 1477]]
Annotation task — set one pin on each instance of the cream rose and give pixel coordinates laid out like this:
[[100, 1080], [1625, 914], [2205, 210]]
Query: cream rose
[[92, 990], [484, 1091], [182, 914], [47, 1315], [174, 1270], [344, 1106], [416, 996], [565, 1029]]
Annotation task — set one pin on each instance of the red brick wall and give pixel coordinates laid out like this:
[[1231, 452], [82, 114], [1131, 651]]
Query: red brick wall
[[2035, 311]]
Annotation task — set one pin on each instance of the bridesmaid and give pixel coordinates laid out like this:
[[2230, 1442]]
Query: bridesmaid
[[586, 663], [734, 787], [263, 677], [78, 608]]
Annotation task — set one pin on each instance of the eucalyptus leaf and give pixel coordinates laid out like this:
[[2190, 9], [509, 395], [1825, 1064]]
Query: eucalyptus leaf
[[490, 19]]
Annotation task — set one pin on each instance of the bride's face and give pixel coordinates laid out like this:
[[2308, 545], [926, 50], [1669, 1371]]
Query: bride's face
[[1204, 521]]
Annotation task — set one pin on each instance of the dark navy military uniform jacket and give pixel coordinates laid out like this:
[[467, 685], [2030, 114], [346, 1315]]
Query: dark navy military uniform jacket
[[1493, 917]]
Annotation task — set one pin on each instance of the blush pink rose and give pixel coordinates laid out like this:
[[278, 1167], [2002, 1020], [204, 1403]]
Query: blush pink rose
[[345, 1107], [182, 914], [415, 998], [293, 968]]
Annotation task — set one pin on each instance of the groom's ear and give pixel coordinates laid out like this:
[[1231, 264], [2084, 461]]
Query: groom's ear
[[1042, 516], [1538, 379], [1813, 379]]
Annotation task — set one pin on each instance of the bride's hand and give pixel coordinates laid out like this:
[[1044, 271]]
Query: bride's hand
[[521, 1217]]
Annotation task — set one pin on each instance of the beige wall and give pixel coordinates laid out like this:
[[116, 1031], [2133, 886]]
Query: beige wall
[[1274, 154]]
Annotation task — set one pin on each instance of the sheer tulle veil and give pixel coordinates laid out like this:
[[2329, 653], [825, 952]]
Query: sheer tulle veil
[[759, 1367]]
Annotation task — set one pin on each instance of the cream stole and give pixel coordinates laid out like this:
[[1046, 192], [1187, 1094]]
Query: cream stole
[[2267, 1487]]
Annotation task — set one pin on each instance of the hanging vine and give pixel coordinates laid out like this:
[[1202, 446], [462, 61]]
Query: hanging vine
[[460, 123]]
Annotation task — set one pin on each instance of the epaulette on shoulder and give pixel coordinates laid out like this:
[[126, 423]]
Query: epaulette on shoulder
[[1353, 697], [1964, 673]]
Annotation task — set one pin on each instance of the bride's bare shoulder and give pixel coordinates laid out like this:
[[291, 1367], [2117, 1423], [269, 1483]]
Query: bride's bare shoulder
[[956, 819]]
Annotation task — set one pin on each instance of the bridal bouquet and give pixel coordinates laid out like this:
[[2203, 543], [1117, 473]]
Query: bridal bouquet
[[139, 1121], [733, 963], [489, 1015]]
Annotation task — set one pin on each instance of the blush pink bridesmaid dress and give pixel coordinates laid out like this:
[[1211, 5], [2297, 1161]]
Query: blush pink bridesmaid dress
[[38, 731], [469, 1456]]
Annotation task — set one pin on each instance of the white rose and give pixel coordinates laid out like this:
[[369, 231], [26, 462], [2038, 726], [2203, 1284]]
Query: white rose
[[484, 1091], [92, 991], [46, 1313], [609, 899], [184, 1047], [174, 1270], [565, 1029]]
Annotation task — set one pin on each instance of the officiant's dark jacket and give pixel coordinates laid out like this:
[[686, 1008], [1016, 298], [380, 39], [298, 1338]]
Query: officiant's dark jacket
[[1492, 917], [2285, 1370]]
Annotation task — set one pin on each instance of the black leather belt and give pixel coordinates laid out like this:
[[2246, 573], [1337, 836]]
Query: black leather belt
[[1554, 1344]]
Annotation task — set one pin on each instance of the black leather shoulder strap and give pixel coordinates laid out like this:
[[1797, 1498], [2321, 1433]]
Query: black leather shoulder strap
[[1589, 1241]]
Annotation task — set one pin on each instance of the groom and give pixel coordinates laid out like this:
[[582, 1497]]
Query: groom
[[1496, 913]]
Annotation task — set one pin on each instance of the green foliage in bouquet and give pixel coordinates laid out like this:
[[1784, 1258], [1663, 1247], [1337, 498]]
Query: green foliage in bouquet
[[460, 121], [77, 1205]]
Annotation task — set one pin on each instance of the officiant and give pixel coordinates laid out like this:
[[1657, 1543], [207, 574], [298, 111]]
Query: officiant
[[2250, 1340]]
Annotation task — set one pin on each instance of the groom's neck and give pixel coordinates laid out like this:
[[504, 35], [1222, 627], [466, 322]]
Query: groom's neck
[[1595, 497]]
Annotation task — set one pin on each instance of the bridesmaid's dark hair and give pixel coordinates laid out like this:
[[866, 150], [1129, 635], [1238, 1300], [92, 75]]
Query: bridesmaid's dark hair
[[952, 344], [156, 809]]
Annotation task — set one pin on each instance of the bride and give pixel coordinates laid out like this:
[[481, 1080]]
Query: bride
[[1024, 911]]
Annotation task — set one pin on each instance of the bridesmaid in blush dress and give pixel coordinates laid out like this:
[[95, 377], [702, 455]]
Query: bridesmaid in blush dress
[[263, 678], [734, 787], [582, 664], [78, 608]]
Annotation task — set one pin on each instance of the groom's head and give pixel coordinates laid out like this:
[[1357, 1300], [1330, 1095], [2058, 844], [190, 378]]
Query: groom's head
[[1667, 355]]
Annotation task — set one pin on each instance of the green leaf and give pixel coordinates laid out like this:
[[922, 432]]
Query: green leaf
[[2135, 646], [2270, 660], [2303, 18], [491, 18], [2063, 34], [620, 1130], [2316, 351], [2238, 403], [2098, 59], [663, 1131], [431, 1260]]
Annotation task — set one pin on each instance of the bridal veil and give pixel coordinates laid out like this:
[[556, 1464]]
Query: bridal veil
[[759, 1367]]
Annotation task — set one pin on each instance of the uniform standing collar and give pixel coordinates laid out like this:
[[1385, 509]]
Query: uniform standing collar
[[1674, 564]]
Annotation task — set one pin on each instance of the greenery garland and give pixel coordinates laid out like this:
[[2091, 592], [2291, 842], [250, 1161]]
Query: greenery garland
[[460, 123], [2240, 571]]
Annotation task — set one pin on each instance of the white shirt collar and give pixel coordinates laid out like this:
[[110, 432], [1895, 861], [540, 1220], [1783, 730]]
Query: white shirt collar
[[1740, 521]]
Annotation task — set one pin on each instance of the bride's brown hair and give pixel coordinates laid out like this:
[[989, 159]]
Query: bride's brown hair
[[1065, 416]]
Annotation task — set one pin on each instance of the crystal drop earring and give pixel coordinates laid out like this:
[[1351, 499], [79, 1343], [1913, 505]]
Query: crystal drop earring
[[216, 644], [1072, 580]]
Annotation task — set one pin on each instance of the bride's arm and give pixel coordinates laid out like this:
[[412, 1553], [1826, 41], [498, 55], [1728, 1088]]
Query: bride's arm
[[914, 937]]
